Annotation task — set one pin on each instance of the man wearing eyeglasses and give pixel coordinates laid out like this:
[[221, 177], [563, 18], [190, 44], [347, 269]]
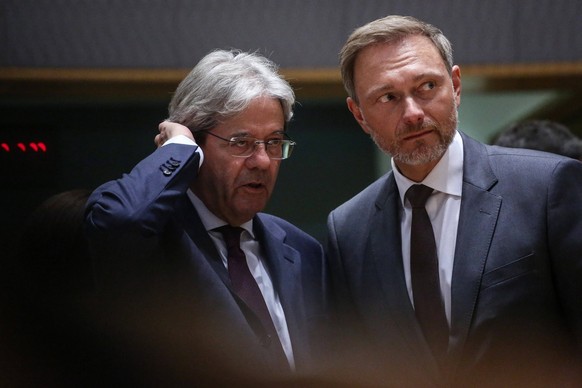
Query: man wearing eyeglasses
[[164, 232]]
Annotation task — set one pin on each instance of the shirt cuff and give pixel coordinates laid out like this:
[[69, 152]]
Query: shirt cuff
[[183, 139]]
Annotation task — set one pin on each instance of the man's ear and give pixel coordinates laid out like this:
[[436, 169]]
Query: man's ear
[[355, 109], [456, 76]]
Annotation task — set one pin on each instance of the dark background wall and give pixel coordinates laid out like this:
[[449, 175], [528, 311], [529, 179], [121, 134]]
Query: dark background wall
[[89, 144]]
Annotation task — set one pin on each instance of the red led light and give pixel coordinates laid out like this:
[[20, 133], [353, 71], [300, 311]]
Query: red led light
[[32, 146]]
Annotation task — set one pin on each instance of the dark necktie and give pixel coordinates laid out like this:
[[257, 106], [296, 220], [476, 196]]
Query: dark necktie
[[426, 291], [245, 286]]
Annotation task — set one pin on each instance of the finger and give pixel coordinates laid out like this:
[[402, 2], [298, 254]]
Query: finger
[[162, 126], [159, 140]]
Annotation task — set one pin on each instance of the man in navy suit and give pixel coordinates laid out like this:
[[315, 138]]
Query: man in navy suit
[[161, 257], [507, 225]]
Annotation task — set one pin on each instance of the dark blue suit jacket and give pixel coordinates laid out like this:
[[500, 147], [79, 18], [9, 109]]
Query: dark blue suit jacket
[[150, 245], [517, 276]]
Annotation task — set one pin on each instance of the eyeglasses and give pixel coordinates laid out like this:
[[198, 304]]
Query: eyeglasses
[[245, 146]]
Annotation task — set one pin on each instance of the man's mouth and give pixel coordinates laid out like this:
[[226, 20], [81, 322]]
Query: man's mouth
[[254, 185], [417, 134]]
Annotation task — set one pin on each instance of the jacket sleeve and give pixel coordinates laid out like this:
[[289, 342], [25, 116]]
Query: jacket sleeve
[[127, 218], [565, 236], [144, 198]]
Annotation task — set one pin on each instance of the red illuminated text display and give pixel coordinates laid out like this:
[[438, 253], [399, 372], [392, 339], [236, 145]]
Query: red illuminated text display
[[36, 146]]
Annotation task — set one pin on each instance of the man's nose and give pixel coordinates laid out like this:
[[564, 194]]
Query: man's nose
[[413, 112], [259, 158]]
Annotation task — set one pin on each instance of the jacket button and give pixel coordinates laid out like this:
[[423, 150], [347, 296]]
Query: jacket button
[[165, 171], [171, 167]]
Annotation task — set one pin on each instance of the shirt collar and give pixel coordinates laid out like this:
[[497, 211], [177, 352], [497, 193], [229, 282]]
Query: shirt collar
[[446, 176], [210, 220]]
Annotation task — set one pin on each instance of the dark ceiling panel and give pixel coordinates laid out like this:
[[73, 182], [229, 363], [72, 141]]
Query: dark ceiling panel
[[294, 33]]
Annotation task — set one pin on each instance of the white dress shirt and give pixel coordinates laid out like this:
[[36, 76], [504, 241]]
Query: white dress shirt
[[443, 207], [252, 250]]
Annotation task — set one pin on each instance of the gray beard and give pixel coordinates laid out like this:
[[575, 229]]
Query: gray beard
[[422, 153]]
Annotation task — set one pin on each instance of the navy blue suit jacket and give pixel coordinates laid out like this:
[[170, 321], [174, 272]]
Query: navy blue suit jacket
[[149, 244], [517, 276]]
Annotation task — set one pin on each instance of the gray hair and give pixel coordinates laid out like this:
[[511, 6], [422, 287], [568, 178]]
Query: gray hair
[[223, 84], [389, 29]]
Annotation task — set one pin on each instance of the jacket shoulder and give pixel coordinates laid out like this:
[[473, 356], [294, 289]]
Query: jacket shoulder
[[374, 195], [277, 225]]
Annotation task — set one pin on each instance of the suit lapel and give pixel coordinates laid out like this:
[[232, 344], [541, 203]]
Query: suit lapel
[[207, 274], [386, 251], [219, 292], [477, 221], [197, 233], [283, 264]]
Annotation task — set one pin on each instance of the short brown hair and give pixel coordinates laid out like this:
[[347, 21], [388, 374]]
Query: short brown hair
[[387, 30]]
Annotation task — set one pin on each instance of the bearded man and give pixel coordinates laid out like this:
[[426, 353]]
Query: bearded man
[[461, 266]]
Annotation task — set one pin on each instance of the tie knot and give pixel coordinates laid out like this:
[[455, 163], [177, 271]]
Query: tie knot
[[231, 235], [418, 194]]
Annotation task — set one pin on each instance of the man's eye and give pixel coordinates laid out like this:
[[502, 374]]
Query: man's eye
[[429, 85], [241, 143], [274, 142], [387, 98]]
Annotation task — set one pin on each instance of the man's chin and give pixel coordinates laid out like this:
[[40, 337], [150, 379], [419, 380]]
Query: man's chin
[[248, 209], [421, 155]]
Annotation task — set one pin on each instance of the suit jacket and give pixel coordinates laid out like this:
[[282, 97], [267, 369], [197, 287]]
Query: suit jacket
[[516, 286], [156, 263]]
